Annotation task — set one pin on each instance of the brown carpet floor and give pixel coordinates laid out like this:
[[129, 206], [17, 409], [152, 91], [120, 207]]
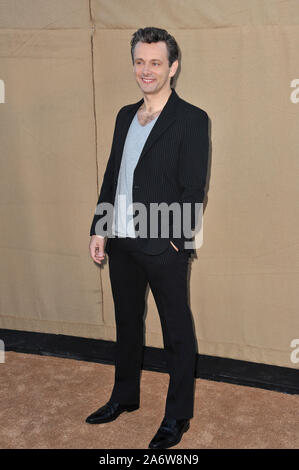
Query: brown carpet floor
[[45, 401]]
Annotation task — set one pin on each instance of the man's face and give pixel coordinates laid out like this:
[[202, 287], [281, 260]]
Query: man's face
[[151, 67]]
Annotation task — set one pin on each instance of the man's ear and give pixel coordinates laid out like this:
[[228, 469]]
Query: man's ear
[[174, 68]]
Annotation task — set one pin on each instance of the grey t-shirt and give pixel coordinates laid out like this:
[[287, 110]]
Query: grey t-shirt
[[137, 135]]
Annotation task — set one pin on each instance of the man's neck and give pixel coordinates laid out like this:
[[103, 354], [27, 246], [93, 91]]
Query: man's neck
[[154, 103]]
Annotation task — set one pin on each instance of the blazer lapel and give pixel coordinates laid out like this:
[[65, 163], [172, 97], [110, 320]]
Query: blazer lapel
[[165, 119]]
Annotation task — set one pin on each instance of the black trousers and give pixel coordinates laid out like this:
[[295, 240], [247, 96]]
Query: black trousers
[[130, 271]]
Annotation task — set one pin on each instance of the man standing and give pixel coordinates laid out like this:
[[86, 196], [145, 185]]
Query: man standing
[[159, 155]]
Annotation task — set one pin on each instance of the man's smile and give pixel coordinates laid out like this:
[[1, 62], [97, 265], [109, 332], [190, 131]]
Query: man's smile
[[148, 80]]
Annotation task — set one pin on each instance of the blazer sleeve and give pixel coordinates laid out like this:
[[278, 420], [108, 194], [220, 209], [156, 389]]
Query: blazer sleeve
[[106, 192], [193, 162]]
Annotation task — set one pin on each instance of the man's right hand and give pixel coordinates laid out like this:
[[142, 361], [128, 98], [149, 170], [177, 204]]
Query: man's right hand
[[96, 248]]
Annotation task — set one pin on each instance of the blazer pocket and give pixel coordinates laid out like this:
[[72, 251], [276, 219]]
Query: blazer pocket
[[173, 247]]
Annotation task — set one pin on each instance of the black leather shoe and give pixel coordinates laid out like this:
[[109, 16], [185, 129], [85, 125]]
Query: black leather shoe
[[169, 433], [109, 412]]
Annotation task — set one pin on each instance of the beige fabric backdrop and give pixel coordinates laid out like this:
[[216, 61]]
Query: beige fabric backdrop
[[67, 70]]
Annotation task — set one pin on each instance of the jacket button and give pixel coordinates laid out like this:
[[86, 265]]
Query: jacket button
[[136, 187]]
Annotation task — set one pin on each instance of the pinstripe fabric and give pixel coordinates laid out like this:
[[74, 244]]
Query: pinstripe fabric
[[169, 255], [130, 271], [172, 166]]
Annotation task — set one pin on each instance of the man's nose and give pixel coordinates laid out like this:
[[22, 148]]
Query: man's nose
[[146, 70]]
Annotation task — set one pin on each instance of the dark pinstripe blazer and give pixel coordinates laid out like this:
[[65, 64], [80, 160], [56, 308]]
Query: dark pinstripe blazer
[[172, 166]]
